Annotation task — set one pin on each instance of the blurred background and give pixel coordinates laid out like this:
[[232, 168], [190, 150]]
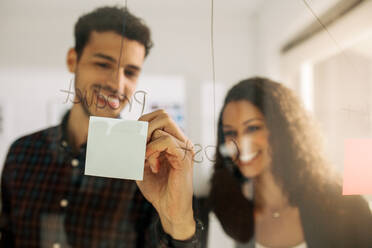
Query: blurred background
[[329, 68]]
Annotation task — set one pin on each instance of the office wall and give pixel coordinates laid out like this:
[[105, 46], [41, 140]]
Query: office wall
[[340, 90], [277, 23]]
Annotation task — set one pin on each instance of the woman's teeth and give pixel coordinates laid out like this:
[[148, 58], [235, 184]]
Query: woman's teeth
[[247, 157]]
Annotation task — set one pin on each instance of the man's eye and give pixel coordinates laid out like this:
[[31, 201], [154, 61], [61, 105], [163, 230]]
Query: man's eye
[[103, 65], [130, 73]]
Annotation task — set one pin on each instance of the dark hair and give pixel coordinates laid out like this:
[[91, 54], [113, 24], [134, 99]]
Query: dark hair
[[116, 19], [297, 158]]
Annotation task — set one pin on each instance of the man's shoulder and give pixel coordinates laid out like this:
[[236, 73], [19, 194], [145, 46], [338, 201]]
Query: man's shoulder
[[33, 142], [44, 135]]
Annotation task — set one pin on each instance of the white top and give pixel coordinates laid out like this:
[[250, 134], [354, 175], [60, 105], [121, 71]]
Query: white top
[[302, 245]]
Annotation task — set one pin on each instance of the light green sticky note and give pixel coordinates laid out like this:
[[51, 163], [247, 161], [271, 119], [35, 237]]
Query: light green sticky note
[[116, 148]]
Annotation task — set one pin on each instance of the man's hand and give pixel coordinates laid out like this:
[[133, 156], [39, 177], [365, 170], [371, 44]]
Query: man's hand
[[167, 180]]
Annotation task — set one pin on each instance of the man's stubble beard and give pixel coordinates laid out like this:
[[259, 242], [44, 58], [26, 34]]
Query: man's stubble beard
[[84, 101]]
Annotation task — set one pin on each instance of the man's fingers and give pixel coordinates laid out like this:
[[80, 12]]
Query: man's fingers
[[164, 122], [187, 146], [165, 143], [152, 162], [160, 120], [150, 116]]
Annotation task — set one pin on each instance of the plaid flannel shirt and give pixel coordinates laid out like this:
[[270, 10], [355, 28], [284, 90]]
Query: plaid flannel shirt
[[47, 201]]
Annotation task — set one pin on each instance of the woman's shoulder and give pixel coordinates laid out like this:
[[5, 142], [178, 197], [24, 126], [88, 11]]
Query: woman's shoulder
[[332, 202], [341, 219], [353, 220]]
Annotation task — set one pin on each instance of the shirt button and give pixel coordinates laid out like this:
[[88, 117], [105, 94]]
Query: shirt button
[[63, 203], [56, 245], [64, 143], [75, 162]]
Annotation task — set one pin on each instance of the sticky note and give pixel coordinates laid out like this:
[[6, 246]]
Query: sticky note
[[116, 148], [357, 167]]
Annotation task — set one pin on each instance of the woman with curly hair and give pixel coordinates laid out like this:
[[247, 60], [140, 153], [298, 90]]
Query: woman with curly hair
[[271, 186]]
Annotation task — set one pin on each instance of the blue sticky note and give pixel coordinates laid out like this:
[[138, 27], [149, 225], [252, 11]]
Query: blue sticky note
[[116, 148]]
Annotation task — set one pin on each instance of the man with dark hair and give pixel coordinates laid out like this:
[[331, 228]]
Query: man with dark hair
[[117, 20], [47, 201]]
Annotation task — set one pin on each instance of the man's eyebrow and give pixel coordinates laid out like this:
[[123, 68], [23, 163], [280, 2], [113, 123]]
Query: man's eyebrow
[[134, 67], [104, 56]]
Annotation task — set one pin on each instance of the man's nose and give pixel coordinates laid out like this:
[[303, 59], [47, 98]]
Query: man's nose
[[117, 81]]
